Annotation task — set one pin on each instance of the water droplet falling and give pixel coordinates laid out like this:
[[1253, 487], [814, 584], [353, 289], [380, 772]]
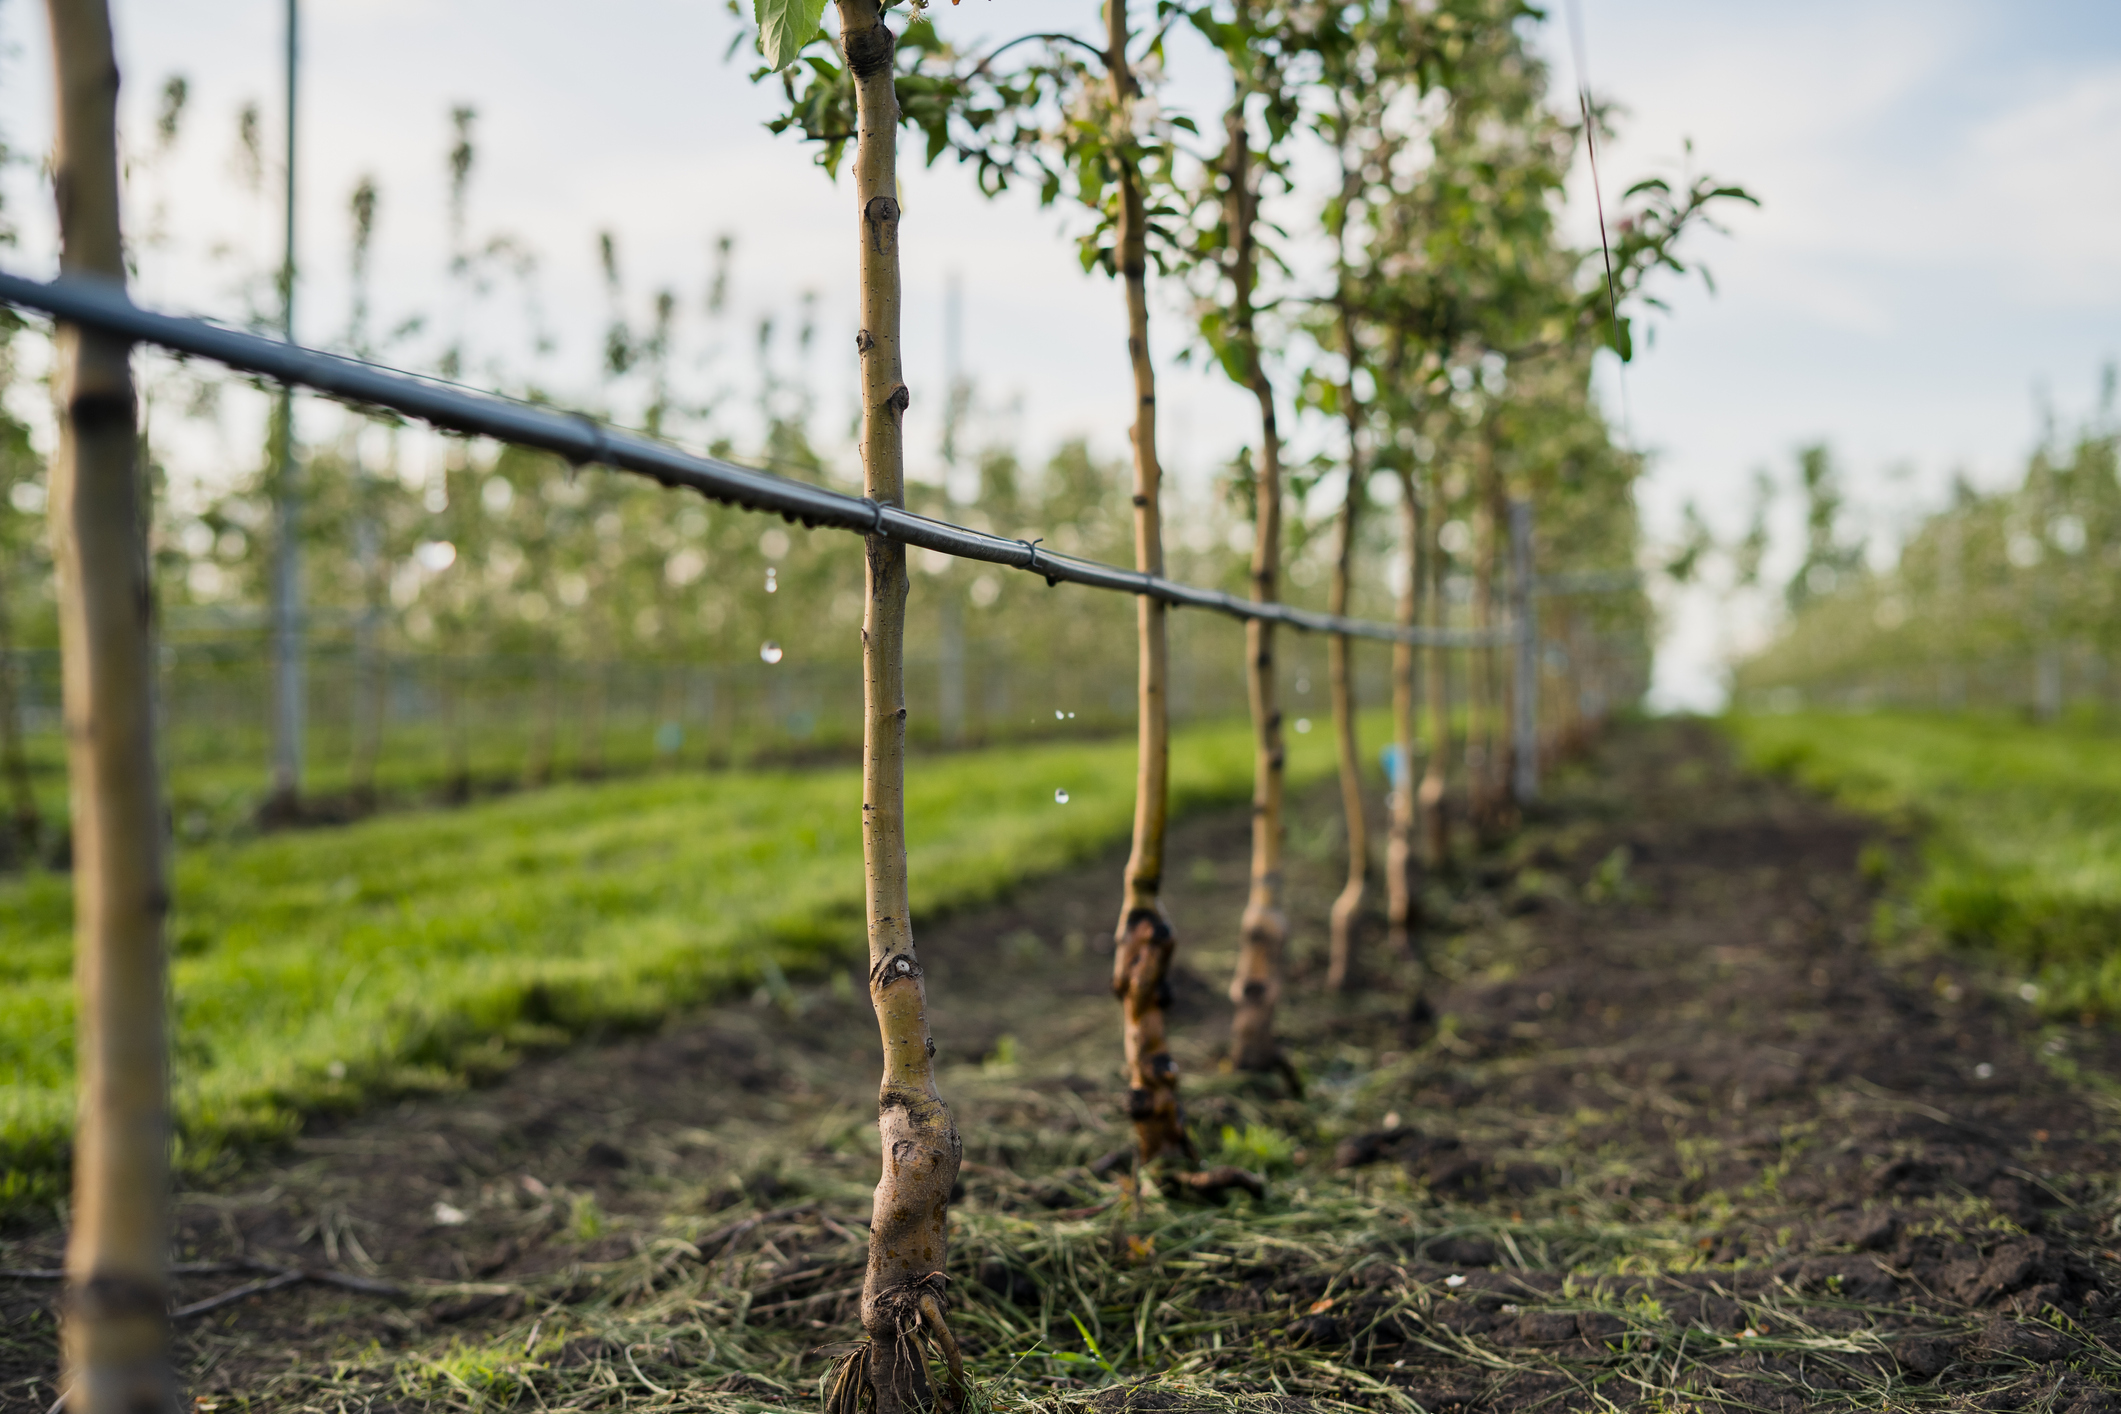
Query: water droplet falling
[[773, 584], [1303, 724], [1059, 715], [769, 652], [1060, 797]]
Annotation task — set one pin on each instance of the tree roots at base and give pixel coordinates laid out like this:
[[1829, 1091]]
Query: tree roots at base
[[858, 1383]]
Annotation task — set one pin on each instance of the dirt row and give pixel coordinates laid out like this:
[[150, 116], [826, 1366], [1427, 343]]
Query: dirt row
[[1671, 1130]]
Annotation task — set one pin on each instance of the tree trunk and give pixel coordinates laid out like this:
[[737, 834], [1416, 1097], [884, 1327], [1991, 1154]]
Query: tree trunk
[[116, 1336], [1145, 943], [589, 755], [372, 691], [672, 715], [1500, 788], [1264, 931], [1402, 866], [366, 690], [1435, 808], [28, 824], [457, 668], [1347, 908], [1481, 715], [545, 727], [902, 1293], [1524, 681]]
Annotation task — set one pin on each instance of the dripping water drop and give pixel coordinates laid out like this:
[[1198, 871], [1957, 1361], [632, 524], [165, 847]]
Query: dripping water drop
[[1060, 797], [773, 584], [1303, 725], [769, 652]]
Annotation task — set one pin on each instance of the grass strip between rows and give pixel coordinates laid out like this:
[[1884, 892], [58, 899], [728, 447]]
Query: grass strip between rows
[[2020, 841], [320, 970]]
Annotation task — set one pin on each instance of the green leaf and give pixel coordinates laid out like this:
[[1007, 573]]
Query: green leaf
[[785, 26]]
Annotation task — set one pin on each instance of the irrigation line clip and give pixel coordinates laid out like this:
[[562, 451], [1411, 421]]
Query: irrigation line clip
[[599, 447]]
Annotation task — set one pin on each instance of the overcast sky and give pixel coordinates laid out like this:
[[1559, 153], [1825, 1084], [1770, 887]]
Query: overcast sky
[[1939, 243]]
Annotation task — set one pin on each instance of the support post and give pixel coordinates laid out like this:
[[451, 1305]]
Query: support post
[[1525, 620], [288, 685]]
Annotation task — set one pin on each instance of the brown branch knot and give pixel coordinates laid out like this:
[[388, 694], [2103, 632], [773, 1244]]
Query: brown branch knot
[[869, 51], [881, 213]]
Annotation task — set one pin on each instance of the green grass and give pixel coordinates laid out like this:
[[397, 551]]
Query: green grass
[[321, 969], [2020, 829]]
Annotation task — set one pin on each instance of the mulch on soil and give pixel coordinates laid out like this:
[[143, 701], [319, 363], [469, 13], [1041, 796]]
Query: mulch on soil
[[1672, 1131]]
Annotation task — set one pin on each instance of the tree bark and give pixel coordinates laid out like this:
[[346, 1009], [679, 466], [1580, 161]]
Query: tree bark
[[1347, 908], [366, 691], [1145, 943], [589, 755], [545, 727], [456, 706], [115, 1336], [1435, 812], [903, 1291], [1481, 732], [1402, 857], [28, 823], [1264, 930]]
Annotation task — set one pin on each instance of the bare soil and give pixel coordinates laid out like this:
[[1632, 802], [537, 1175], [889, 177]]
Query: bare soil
[[1671, 1129]]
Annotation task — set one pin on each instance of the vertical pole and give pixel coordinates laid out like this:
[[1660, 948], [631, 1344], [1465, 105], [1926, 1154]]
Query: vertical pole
[[1525, 619], [115, 1336], [288, 705]]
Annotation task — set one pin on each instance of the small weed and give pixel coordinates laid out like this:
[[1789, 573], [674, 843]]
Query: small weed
[[1258, 1147], [1609, 882]]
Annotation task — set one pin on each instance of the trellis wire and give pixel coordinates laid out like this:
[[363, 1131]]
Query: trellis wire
[[583, 440]]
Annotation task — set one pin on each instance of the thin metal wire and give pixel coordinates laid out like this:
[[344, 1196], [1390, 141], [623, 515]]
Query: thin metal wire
[[582, 439]]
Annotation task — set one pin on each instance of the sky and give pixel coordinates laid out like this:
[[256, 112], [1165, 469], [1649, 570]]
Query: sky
[[1936, 257]]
